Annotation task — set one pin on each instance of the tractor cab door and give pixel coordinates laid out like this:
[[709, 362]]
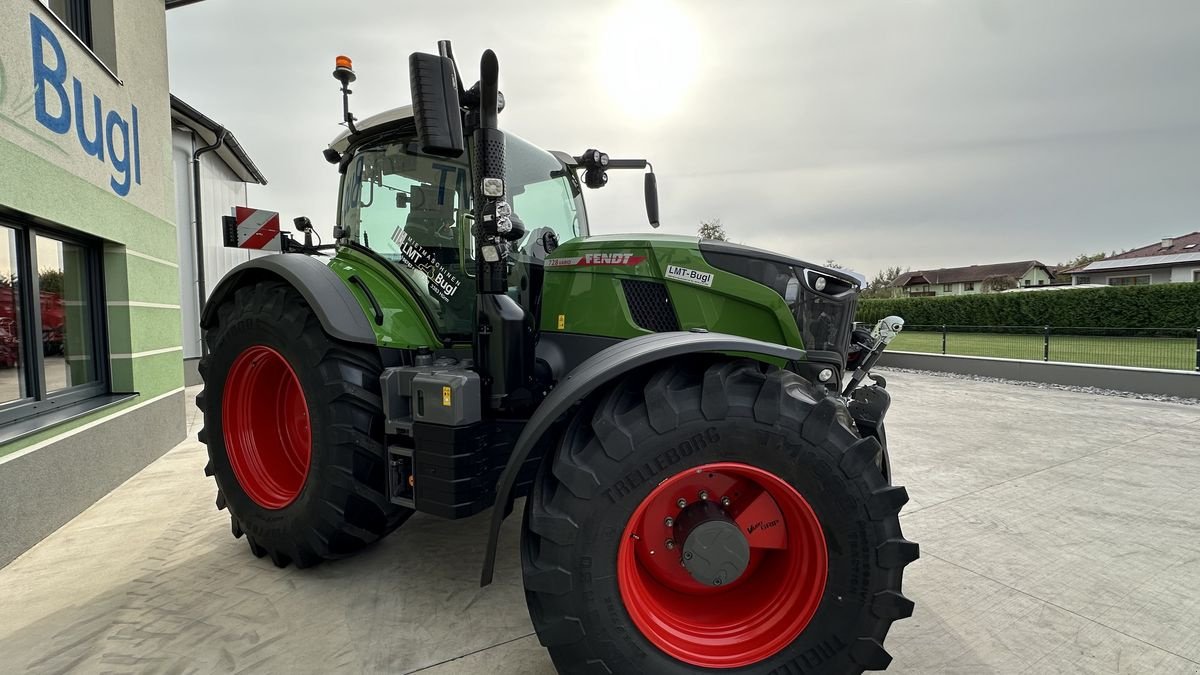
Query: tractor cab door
[[414, 210]]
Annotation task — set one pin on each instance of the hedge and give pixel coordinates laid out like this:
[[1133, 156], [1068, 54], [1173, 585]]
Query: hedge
[[1159, 306]]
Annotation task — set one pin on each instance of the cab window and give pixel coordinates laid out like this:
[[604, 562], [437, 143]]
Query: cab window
[[412, 210]]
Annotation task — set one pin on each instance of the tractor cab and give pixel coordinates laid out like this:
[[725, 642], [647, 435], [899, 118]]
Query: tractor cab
[[414, 210]]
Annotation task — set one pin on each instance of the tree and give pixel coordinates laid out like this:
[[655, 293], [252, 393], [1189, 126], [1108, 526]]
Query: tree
[[50, 280], [1083, 259], [881, 285], [998, 283], [713, 229]]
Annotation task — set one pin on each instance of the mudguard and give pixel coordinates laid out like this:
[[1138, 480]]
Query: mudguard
[[595, 373], [339, 312]]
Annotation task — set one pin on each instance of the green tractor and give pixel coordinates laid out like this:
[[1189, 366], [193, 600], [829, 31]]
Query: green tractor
[[705, 473]]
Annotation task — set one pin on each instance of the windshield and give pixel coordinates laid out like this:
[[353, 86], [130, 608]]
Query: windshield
[[414, 210]]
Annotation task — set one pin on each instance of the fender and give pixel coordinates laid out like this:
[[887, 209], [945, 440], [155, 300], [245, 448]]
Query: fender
[[340, 314], [593, 374]]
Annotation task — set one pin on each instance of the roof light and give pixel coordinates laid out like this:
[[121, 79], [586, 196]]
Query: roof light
[[343, 61]]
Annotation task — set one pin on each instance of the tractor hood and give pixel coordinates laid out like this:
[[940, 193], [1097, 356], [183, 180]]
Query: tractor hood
[[744, 260], [658, 283]]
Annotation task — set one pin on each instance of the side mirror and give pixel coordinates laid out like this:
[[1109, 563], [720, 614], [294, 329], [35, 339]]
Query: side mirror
[[652, 199], [435, 104]]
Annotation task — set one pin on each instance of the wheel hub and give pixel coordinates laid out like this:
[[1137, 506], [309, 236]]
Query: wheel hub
[[265, 425], [722, 565], [715, 552]]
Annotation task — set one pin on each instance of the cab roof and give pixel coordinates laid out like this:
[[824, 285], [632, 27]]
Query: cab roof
[[342, 140]]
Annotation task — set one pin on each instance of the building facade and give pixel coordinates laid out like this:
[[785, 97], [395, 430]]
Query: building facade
[[1170, 261], [91, 374], [212, 171], [974, 279]]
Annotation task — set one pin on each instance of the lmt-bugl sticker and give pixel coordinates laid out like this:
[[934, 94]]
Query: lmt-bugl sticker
[[689, 276]]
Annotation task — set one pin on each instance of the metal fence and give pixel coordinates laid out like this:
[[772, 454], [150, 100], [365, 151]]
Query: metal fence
[[1169, 348]]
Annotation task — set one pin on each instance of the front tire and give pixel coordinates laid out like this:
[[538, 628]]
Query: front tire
[[606, 579], [293, 425]]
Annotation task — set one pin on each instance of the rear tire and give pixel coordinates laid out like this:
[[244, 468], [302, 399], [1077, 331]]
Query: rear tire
[[584, 571], [293, 425]]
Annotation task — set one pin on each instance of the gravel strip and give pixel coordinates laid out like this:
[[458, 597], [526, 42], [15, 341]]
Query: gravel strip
[[1044, 385]]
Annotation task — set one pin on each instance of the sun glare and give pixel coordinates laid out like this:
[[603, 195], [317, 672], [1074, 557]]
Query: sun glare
[[650, 57]]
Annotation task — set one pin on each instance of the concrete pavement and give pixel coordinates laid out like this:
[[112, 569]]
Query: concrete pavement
[[1058, 533]]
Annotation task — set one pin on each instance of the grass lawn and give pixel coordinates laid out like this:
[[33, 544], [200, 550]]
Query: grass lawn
[[1143, 352]]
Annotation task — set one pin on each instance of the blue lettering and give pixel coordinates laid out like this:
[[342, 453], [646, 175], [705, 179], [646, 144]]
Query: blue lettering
[[44, 75], [114, 121], [137, 150], [94, 146], [127, 165], [443, 169]]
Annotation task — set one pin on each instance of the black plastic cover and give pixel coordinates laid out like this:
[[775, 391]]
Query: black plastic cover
[[435, 104]]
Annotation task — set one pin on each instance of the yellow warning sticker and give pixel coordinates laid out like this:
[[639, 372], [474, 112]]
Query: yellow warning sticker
[[562, 321], [446, 396]]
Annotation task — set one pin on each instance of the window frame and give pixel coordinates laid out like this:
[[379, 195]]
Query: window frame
[[968, 286], [947, 288], [88, 42], [1196, 275], [1147, 277], [32, 359]]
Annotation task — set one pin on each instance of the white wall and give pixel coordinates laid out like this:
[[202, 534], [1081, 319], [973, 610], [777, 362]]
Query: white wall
[[221, 190], [1182, 274], [1158, 275]]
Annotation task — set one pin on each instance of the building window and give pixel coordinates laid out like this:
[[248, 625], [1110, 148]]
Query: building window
[[969, 286], [1196, 275], [1041, 282], [1026, 282], [1140, 280], [1083, 279], [946, 288], [92, 22], [76, 15], [51, 322]]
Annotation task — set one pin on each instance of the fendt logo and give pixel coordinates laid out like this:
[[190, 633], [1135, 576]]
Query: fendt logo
[[598, 260], [112, 134]]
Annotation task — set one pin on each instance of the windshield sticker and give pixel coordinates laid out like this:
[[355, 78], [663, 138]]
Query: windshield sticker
[[689, 276], [460, 181], [442, 284], [598, 260]]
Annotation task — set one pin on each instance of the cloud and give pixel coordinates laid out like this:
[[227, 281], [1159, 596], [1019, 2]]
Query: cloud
[[914, 133]]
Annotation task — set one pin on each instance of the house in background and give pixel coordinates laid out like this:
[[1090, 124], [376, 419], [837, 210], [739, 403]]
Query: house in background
[[1172, 260], [974, 279], [212, 171]]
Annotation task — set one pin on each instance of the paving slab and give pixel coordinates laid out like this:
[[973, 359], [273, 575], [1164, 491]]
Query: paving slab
[[1058, 532]]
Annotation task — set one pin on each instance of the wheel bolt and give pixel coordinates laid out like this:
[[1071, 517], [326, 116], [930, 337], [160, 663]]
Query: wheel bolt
[[725, 501], [681, 503], [716, 582], [669, 521], [703, 495], [687, 555], [670, 545]]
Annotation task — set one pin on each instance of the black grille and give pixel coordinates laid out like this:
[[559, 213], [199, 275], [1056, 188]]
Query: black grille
[[650, 306]]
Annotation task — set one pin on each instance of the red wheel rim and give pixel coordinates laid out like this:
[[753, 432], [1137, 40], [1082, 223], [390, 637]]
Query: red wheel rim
[[267, 435], [755, 616]]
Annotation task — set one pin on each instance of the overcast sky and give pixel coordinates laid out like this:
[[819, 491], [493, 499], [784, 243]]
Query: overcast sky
[[923, 133]]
